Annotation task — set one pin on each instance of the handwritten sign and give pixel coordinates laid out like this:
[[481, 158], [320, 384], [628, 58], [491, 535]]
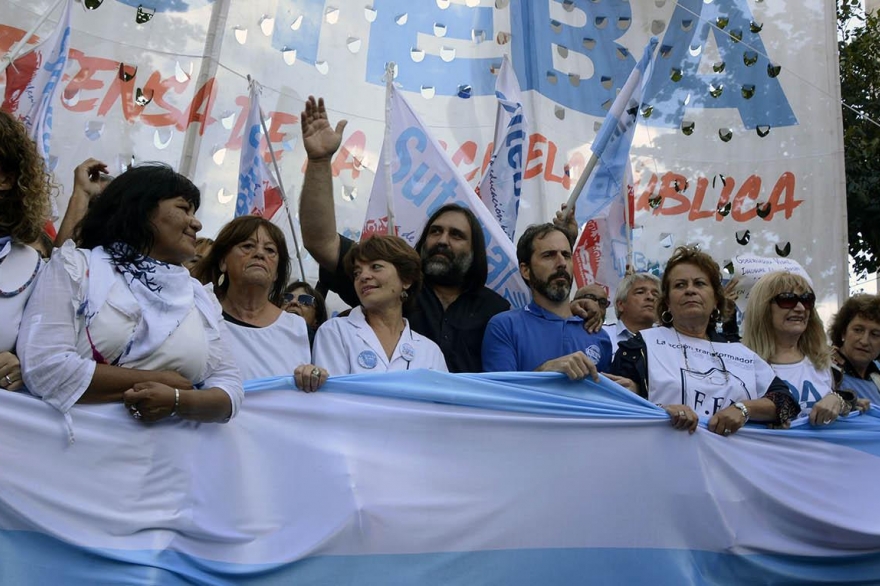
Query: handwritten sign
[[748, 268]]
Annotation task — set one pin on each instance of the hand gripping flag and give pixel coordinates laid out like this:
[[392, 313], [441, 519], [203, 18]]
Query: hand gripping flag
[[423, 178], [501, 185], [258, 190]]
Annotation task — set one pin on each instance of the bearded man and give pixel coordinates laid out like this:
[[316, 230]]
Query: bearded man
[[545, 336], [454, 305]]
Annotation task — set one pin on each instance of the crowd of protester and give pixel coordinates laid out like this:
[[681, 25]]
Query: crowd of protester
[[133, 307]]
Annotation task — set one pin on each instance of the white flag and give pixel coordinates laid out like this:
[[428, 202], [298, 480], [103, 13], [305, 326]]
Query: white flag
[[501, 185], [423, 178]]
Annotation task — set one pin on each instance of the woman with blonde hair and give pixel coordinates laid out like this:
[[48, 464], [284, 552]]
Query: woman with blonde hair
[[783, 328]]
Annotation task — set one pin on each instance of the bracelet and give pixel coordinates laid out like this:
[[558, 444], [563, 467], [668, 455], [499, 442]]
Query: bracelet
[[176, 402], [843, 402]]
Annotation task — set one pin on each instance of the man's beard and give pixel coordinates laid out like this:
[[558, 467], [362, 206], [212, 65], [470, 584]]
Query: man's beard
[[442, 267], [553, 290]]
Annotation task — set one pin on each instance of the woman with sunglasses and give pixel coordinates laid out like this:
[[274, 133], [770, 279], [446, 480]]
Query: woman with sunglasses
[[303, 300], [248, 266], [855, 334], [781, 326], [691, 371]]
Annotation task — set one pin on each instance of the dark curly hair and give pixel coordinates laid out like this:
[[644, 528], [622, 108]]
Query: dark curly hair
[[394, 250], [207, 270], [25, 205], [865, 306], [691, 255], [122, 212], [475, 277]]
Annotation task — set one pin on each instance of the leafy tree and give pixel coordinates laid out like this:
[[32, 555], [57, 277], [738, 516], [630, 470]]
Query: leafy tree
[[859, 51]]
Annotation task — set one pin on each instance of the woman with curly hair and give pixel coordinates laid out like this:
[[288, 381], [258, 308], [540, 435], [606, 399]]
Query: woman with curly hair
[[24, 209]]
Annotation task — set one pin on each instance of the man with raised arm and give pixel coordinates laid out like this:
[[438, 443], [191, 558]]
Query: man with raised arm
[[454, 305], [635, 303], [545, 336]]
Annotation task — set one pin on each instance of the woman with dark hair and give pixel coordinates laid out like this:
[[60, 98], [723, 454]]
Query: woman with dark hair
[[855, 335], [375, 337], [24, 208], [782, 327], [688, 369], [119, 318], [248, 266], [308, 303]]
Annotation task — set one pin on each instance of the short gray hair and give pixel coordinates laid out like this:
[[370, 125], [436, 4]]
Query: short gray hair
[[628, 282]]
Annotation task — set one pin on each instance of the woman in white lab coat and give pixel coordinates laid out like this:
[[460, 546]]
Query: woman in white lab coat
[[375, 337]]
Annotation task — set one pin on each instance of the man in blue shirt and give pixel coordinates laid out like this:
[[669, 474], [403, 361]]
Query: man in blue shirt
[[544, 335]]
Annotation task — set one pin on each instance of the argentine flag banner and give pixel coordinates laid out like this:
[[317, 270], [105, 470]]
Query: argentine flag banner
[[430, 479]]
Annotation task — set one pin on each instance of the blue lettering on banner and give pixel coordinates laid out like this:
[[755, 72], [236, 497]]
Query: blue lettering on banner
[[745, 67], [590, 33], [460, 24], [807, 397], [304, 40]]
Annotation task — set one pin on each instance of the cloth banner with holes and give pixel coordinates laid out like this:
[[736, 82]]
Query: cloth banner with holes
[[433, 479]]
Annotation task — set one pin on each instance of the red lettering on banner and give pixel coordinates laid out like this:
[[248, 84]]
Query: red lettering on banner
[[697, 213], [204, 99], [351, 155], [156, 88], [535, 154], [84, 79], [674, 201]]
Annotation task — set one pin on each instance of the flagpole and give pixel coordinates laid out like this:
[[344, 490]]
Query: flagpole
[[13, 53], [386, 147], [579, 187], [283, 195], [627, 223]]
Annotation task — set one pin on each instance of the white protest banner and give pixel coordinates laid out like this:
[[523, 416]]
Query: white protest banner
[[738, 131], [748, 268]]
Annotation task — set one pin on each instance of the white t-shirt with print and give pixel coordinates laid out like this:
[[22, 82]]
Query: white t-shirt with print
[[706, 376]]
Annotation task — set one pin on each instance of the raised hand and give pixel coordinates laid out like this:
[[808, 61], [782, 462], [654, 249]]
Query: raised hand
[[319, 138]]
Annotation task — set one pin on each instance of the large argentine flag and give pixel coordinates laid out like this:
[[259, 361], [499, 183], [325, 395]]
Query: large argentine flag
[[612, 144], [433, 479], [423, 178]]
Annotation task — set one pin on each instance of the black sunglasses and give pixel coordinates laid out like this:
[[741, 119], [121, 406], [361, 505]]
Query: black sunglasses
[[790, 300], [302, 299], [603, 303]]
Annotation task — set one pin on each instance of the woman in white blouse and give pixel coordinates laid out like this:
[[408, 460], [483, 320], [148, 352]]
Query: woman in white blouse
[[375, 337], [249, 266], [24, 208], [120, 320]]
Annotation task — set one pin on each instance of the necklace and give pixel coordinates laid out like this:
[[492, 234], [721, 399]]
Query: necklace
[[8, 294], [714, 354]]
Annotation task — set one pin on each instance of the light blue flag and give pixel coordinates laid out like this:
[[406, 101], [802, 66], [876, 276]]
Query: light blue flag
[[614, 140]]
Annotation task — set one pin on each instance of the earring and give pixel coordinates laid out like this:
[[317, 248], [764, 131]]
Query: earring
[[404, 295], [715, 315], [221, 280], [666, 317]]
